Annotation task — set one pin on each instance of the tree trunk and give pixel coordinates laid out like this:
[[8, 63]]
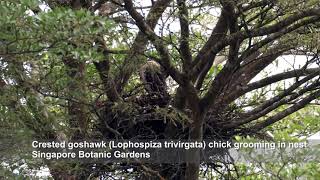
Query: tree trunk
[[196, 134]]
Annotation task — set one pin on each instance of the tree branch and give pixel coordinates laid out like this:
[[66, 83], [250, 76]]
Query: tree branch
[[204, 56], [256, 4], [157, 42], [277, 35], [133, 59], [245, 74], [76, 88], [273, 119], [241, 35], [227, 73], [103, 70], [275, 102], [184, 39], [279, 77]]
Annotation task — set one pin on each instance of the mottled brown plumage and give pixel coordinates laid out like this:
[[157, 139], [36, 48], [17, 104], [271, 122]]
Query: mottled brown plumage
[[153, 78]]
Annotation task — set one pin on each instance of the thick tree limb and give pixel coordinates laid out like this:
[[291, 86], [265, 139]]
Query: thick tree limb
[[244, 75], [204, 56], [76, 88], [3, 84], [228, 12], [131, 62], [103, 69], [225, 77], [157, 42], [184, 39], [239, 36], [107, 81]]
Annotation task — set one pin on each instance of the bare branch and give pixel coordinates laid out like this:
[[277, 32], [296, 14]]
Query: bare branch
[[275, 102], [273, 119], [278, 77], [256, 4]]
